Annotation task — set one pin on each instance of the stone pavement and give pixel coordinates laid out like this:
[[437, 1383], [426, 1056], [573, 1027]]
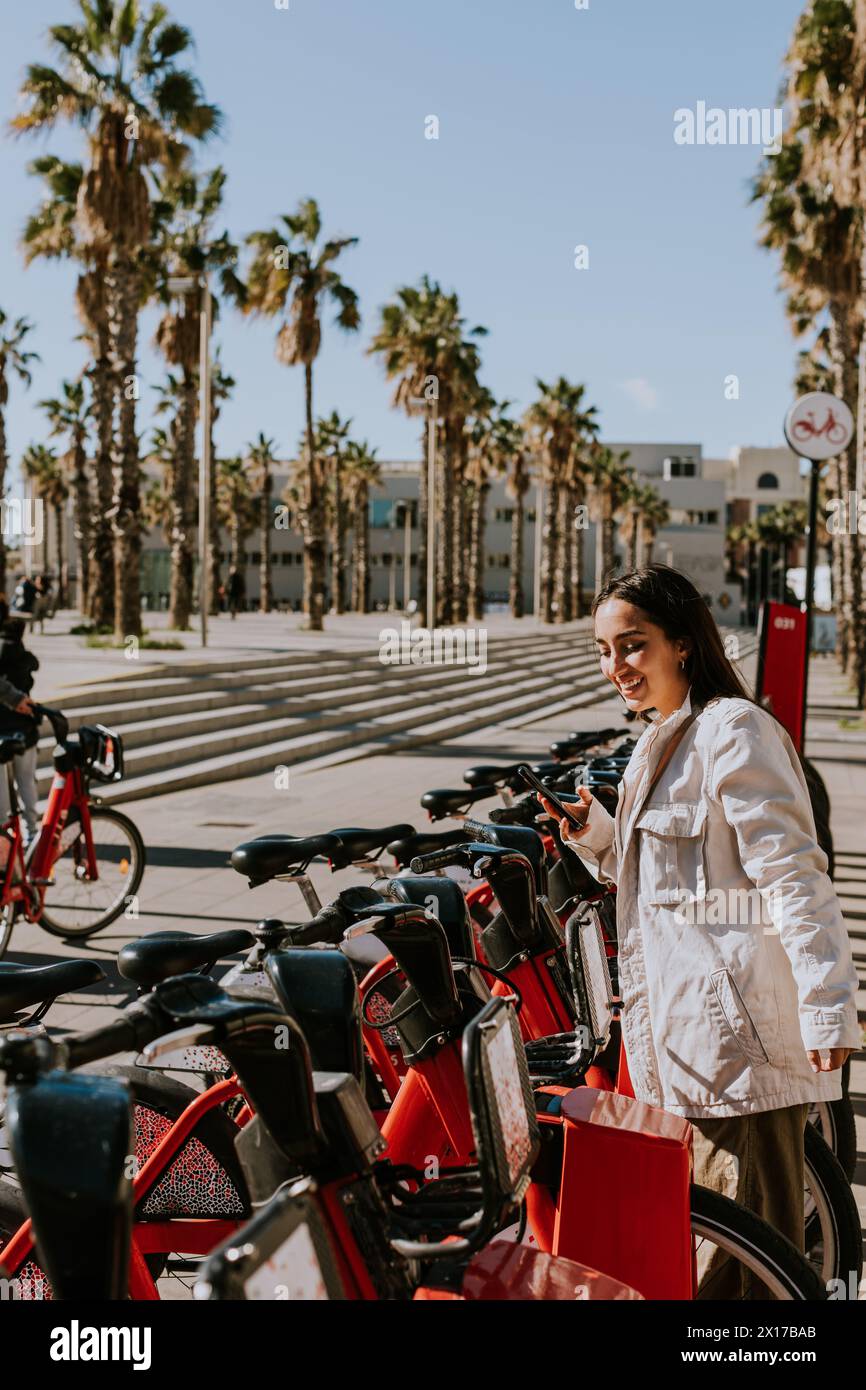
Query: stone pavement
[[189, 835]]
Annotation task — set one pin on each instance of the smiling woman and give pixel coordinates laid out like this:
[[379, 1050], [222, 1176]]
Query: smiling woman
[[737, 1027]]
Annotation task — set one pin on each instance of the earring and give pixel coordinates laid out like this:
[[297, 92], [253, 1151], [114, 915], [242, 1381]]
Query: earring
[[682, 665]]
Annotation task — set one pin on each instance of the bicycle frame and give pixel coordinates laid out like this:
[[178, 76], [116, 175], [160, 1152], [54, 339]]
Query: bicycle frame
[[27, 877]]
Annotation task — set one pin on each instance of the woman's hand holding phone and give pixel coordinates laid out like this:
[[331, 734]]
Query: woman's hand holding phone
[[566, 829]]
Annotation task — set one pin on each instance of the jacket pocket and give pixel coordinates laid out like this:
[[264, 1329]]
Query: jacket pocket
[[671, 871], [738, 1018]]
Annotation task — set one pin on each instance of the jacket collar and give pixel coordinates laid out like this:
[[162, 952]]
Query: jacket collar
[[658, 734]]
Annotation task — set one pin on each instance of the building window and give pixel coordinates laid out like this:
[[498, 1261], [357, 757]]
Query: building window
[[498, 562], [679, 466], [503, 514], [768, 480]]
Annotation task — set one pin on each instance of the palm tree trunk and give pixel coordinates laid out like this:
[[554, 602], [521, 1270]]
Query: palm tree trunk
[[100, 579], [461, 502], [81, 523], [843, 355], [181, 504], [338, 564], [426, 619], [515, 583], [477, 526], [214, 551], [314, 523], [562, 571], [126, 501], [265, 585], [362, 542], [444, 520], [60, 553], [575, 560], [549, 546]]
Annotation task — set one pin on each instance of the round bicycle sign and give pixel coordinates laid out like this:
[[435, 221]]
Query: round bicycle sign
[[819, 426]]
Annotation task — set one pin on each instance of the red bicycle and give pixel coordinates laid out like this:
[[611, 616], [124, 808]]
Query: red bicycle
[[832, 428], [86, 863]]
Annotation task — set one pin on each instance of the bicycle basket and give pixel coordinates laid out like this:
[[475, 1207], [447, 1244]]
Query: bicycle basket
[[103, 752]]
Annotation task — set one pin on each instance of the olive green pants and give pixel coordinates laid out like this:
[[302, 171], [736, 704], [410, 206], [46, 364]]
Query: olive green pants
[[757, 1160]]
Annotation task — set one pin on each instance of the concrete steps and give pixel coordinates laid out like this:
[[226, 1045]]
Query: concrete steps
[[203, 722]]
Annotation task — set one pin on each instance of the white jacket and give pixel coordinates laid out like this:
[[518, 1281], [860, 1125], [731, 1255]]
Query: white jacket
[[722, 996]]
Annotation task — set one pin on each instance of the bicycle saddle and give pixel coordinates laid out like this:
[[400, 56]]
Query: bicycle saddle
[[152, 959], [448, 802], [502, 774], [405, 850], [23, 986], [263, 859], [365, 843]]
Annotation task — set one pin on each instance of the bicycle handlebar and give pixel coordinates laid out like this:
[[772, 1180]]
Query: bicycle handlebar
[[327, 927]]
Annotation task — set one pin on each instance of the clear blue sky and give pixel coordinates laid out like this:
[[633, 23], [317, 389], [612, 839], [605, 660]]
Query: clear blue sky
[[556, 128]]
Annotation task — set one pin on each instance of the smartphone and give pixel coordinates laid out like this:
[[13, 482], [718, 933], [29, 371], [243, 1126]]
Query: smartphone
[[575, 821]]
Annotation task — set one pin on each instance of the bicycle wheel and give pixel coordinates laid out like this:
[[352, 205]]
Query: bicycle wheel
[[76, 906], [203, 1179], [834, 1245], [7, 922], [778, 1270], [835, 1122]]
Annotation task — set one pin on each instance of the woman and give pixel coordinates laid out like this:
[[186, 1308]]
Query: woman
[[735, 966]]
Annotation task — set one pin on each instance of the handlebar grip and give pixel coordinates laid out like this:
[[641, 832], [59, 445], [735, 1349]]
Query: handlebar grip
[[328, 926], [436, 859], [135, 1028]]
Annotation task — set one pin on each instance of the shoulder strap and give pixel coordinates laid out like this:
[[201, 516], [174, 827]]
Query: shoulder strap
[[669, 752]]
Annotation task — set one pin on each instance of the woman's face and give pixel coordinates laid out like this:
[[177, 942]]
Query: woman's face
[[639, 659]]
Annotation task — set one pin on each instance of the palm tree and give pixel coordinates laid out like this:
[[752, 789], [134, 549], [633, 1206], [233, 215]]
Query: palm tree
[[484, 460], [118, 79], [221, 387], [331, 436], [631, 503], [812, 204], [14, 359], [262, 455], [69, 416], [426, 348], [184, 246], [611, 485], [179, 448], [562, 427], [40, 464], [236, 504], [511, 446], [50, 233], [290, 276], [362, 471], [654, 516]]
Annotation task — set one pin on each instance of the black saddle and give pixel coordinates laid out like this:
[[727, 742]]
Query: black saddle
[[406, 849], [152, 959], [501, 775], [23, 986], [450, 802], [364, 843], [263, 859]]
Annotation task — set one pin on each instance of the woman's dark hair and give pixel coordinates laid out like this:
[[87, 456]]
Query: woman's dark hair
[[671, 602]]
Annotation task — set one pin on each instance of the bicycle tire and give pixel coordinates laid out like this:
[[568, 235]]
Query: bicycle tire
[[834, 1220], [69, 932], [7, 922], [774, 1259], [162, 1098], [836, 1123]]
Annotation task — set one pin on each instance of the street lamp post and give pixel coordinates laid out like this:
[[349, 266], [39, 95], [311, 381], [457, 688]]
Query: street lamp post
[[407, 548], [183, 284]]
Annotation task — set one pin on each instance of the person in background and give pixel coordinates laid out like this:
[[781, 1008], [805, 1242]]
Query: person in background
[[236, 591], [24, 597], [17, 666]]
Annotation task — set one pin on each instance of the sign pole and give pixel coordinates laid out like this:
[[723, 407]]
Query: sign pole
[[809, 597]]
